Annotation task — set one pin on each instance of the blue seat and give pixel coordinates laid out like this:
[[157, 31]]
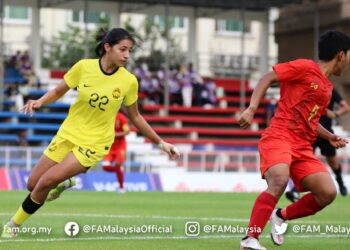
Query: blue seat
[[36, 115], [36, 126], [8, 137], [12, 75]]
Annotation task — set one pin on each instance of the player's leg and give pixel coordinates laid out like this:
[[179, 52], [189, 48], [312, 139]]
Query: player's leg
[[337, 170], [309, 174], [108, 162], [277, 179], [40, 168], [322, 193], [69, 167], [120, 157]]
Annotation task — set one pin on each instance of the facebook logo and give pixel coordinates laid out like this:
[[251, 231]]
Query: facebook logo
[[71, 228]]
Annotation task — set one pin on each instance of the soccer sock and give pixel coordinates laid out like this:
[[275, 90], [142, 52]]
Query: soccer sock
[[28, 207], [263, 207], [120, 176], [305, 206], [109, 168]]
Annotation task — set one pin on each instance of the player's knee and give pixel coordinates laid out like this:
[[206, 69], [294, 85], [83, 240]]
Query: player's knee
[[30, 185], [278, 184], [327, 196]]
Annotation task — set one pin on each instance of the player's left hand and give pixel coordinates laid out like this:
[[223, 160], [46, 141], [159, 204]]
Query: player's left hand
[[337, 142], [170, 149]]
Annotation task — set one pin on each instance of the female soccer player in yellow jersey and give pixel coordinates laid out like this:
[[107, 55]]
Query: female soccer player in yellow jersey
[[88, 131]]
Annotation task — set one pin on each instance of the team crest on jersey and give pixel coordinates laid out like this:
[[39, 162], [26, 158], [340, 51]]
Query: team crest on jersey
[[314, 86], [116, 93]]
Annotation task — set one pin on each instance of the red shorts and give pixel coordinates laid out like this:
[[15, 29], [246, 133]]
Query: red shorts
[[116, 154], [301, 160]]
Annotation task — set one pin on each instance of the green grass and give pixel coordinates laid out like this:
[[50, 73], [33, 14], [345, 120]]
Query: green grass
[[168, 209]]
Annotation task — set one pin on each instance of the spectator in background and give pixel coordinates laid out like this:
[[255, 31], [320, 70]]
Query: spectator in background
[[175, 87], [197, 84], [208, 96], [184, 77], [15, 60], [28, 72]]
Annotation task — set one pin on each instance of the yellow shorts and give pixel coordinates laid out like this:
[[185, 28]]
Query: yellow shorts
[[59, 148]]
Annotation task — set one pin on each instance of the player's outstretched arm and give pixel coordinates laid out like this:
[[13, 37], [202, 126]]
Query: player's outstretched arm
[[246, 118], [140, 123], [49, 97]]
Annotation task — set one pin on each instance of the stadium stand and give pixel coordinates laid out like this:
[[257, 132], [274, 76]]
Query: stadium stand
[[196, 127]]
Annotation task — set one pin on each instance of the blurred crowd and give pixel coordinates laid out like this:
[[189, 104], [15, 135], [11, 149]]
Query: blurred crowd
[[186, 86], [20, 77]]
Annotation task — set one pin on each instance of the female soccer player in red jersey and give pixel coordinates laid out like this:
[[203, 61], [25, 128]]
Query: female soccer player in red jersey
[[285, 147]]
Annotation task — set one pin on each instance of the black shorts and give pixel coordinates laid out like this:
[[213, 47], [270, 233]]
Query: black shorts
[[326, 148]]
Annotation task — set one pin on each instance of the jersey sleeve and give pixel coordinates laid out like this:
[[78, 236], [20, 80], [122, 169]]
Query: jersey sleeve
[[289, 71], [132, 94], [72, 77]]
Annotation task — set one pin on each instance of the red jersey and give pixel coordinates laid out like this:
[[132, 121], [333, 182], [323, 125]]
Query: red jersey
[[305, 93], [121, 125]]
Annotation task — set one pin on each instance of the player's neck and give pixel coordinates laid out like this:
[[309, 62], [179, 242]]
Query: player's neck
[[327, 67], [108, 66]]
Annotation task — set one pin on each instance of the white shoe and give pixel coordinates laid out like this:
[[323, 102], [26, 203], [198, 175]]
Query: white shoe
[[278, 228], [9, 231], [121, 190], [251, 243]]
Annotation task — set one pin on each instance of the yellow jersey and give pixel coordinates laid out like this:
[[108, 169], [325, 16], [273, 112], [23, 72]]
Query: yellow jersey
[[90, 120]]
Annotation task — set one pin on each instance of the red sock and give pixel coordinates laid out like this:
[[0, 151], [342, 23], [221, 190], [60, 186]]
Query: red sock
[[263, 207], [109, 168], [305, 206], [120, 176]]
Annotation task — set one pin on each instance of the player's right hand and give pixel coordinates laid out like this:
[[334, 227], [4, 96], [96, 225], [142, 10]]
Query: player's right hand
[[337, 142], [246, 118], [30, 106]]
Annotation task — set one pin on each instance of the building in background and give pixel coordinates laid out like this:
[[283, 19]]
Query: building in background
[[217, 48]]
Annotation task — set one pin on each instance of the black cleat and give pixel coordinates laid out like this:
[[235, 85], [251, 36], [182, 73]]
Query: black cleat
[[293, 196]]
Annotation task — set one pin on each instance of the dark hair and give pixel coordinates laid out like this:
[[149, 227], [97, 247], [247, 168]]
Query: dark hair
[[112, 37], [330, 43]]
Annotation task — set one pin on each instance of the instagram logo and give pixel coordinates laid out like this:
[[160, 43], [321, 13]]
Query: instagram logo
[[192, 228]]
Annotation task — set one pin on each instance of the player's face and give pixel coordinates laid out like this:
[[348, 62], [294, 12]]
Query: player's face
[[343, 62], [120, 52]]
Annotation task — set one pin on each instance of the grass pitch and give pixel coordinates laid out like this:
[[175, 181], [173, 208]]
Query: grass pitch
[[155, 220]]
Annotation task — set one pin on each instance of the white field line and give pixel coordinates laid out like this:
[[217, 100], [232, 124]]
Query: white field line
[[163, 238], [129, 216]]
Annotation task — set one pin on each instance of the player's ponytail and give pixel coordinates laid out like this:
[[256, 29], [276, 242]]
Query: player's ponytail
[[112, 37]]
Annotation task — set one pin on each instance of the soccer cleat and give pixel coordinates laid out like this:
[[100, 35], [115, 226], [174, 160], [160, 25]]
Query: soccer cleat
[[121, 191], [342, 188], [278, 228], [9, 232], [251, 243], [292, 195], [56, 192]]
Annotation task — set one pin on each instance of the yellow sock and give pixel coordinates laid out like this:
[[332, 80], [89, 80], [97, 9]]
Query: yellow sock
[[20, 216]]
